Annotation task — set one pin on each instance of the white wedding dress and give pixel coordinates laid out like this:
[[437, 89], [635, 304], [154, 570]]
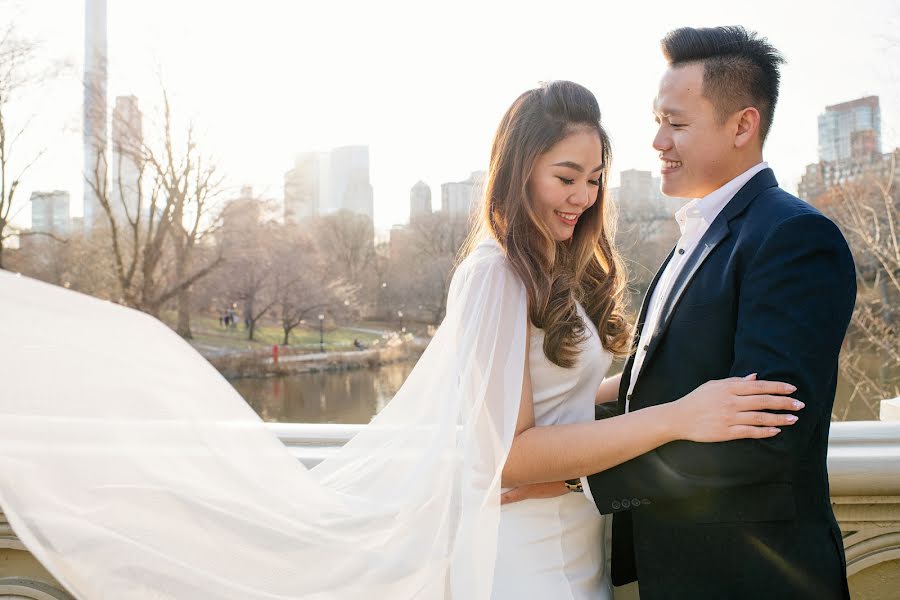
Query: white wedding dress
[[132, 470], [554, 547]]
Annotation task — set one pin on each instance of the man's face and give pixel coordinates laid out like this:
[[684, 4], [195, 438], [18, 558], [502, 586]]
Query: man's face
[[695, 149]]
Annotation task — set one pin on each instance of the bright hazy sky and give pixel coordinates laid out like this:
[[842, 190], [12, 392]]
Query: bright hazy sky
[[424, 84]]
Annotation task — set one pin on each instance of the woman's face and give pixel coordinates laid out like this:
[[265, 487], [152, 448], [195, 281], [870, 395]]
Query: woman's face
[[566, 180]]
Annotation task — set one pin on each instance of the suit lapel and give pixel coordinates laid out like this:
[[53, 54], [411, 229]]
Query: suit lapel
[[712, 238], [717, 232], [642, 317], [645, 305]]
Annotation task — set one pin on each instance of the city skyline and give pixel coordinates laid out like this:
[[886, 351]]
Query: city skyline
[[428, 108], [323, 183]]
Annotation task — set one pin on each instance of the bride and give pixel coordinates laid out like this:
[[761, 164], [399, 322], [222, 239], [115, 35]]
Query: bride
[[131, 469]]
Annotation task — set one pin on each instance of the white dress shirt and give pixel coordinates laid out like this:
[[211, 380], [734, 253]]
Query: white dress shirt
[[694, 218]]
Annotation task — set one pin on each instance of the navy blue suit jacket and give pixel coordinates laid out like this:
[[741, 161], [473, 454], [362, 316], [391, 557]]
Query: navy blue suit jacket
[[770, 289]]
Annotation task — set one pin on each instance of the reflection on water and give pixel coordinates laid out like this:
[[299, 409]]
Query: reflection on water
[[356, 396], [335, 397]]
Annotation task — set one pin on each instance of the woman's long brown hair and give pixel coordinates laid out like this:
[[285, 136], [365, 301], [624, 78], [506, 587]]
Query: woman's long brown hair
[[586, 268]]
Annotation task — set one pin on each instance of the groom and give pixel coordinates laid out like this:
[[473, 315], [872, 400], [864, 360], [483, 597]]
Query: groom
[[760, 282]]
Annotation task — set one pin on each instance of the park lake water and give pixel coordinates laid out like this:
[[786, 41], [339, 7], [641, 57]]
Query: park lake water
[[353, 396], [356, 396]]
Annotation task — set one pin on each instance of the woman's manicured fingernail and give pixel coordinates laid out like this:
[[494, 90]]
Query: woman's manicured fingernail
[[790, 388], [791, 419], [750, 376], [798, 405]]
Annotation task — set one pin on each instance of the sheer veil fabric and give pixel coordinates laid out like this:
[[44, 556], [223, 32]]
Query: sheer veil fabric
[[131, 469]]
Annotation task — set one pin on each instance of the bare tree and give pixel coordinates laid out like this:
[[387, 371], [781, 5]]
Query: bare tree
[[155, 226], [302, 286], [422, 262], [868, 212], [261, 256], [253, 287], [380, 273], [43, 258], [18, 71], [348, 241], [645, 234], [251, 255], [191, 185], [136, 235]]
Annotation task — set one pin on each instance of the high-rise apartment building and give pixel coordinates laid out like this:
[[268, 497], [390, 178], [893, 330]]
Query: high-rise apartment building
[[94, 106], [127, 142], [822, 177], [419, 201], [850, 130], [849, 149], [50, 212], [639, 195], [460, 198], [323, 183], [301, 188]]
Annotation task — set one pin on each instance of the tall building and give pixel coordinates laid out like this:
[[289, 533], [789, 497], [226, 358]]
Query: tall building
[[400, 240], [419, 200], [849, 149], [823, 176], [347, 184], [94, 135], [50, 212], [243, 210], [459, 199], [127, 142], [850, 130], [242, 224], [301, 188], [639, 196], [327, 182]]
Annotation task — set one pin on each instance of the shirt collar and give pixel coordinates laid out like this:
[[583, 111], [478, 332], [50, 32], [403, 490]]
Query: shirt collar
[[708, 207], [712, 204]]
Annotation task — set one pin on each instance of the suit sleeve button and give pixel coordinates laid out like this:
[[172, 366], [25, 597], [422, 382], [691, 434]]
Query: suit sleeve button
[[626, 503], [616, 505]]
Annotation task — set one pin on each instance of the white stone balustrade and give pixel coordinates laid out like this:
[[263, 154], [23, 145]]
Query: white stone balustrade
[[863, 464]]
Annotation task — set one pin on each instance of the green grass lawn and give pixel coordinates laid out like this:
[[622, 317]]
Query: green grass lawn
[[208, 332]]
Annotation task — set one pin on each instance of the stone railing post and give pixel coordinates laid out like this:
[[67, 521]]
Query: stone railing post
[[890, 409]]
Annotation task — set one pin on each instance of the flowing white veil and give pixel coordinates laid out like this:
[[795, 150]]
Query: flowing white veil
[[131, 469]]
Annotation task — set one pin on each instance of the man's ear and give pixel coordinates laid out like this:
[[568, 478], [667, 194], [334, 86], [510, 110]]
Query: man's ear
[[747, 127]]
